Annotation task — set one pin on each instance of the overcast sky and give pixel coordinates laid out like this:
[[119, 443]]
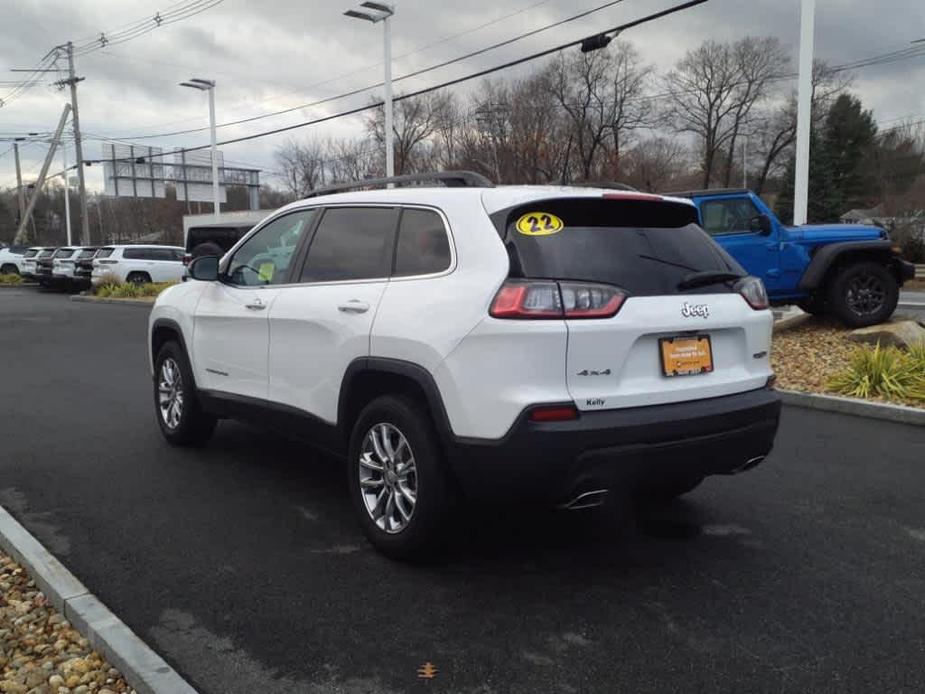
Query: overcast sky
[[268, 55]]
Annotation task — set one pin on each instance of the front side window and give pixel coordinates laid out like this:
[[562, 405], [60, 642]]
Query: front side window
[[423, 247], [729, 216], [265, 257], [351, 243]]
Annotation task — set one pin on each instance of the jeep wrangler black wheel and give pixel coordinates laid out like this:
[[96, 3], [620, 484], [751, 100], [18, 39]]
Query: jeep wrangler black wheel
[[397, 479], [862, 294]]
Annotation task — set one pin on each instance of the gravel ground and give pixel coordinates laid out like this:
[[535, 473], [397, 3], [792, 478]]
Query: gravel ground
[[806, 356], [40, 652]]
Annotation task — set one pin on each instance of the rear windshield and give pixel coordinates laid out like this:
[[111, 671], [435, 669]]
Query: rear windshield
[[46, 254], [104, 252], [644, 247], [86, 253], [31, 253], [63, 253], [224, 237]]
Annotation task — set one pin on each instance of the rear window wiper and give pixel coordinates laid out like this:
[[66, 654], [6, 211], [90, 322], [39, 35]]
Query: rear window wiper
[[700, 279]]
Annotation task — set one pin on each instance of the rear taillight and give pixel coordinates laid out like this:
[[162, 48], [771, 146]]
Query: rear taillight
[[106, 261], [753, 291], [543, 299], [554, 413]]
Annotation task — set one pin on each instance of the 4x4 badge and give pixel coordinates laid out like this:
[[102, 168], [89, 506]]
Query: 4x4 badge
[[689, 310]]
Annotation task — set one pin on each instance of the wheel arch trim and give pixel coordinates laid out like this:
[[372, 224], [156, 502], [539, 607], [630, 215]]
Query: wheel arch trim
[[828, 255]]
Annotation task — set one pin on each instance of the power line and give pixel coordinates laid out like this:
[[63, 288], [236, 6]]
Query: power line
[[416, 73], [450, 83], [341, 77]]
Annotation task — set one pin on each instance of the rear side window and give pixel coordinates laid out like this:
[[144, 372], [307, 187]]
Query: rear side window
[[644, 247], [138, 254], [104, 252], [729, 216], [423, 247], [351, 243], [225, 237]]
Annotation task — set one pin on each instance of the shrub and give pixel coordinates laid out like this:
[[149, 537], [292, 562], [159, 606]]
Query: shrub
[[885, 372], [11, 278], [129, 290]]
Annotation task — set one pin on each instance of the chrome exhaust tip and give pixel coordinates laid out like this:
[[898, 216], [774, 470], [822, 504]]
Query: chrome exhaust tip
[[585, 500], [749, 464]]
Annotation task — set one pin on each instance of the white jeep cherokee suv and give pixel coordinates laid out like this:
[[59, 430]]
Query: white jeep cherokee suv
[[531, 342]]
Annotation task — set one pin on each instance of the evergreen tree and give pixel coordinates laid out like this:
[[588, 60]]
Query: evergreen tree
[[824, 199], [850, 137]]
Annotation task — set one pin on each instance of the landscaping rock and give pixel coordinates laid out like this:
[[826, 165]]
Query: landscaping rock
[[900, 333]]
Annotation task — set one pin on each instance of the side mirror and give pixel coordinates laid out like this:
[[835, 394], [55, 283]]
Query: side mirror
[[765, 225], [204, 268]]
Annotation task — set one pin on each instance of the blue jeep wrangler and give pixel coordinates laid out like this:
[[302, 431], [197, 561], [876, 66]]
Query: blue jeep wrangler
[[850, 271]]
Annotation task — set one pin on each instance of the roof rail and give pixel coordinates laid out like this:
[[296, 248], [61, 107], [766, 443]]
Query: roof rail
[[451, 179]]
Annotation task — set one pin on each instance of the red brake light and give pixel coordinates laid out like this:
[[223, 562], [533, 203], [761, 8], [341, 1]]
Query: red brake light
[[525, 299], [629, 195], [553, 413]]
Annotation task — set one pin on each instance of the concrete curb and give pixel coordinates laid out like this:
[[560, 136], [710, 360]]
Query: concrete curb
[[792, 319], [859, 408], [142, 668], [102, 300]]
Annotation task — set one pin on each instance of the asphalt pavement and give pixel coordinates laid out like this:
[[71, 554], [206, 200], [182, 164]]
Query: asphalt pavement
[[241, 563]]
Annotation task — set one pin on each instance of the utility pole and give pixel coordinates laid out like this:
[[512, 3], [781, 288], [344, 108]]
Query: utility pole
[[67, 198], [804, 112], [72, 80], [44, 172], [20, 194]]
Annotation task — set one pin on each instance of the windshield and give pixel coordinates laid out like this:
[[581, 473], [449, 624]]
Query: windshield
[[643, 247]]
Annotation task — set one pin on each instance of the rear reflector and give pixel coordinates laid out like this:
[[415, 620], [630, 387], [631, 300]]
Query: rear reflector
[[544, 299], [554, 413]]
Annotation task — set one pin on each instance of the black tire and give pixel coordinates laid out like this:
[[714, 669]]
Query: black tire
[[9, 269], [666, 491], [193, 426], [423, 528], [138, 278], [863, 293]]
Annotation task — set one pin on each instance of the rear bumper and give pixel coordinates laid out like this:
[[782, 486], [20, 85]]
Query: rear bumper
[[633, 447]]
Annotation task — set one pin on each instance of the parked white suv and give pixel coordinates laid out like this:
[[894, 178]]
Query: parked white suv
[[141, 264], [30, 258], [11, 258], [523, 342]]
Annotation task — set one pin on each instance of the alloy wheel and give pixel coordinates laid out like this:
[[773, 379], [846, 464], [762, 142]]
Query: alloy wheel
[[866, 294], [170, 393], [388, 478]]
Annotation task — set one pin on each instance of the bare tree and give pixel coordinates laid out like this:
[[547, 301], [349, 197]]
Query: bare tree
[[776, 127], [301, 166], [655, 164], [713, 91], [416, 120], [600, 92]]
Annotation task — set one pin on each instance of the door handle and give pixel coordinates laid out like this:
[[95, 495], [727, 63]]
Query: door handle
[[256, 305], [354, 306]]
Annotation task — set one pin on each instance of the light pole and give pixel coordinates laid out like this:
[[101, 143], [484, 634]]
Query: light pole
[[380, 12], [209, 86], [804, 112]]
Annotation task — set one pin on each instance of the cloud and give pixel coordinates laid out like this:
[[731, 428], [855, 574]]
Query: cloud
[[279, 53]]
